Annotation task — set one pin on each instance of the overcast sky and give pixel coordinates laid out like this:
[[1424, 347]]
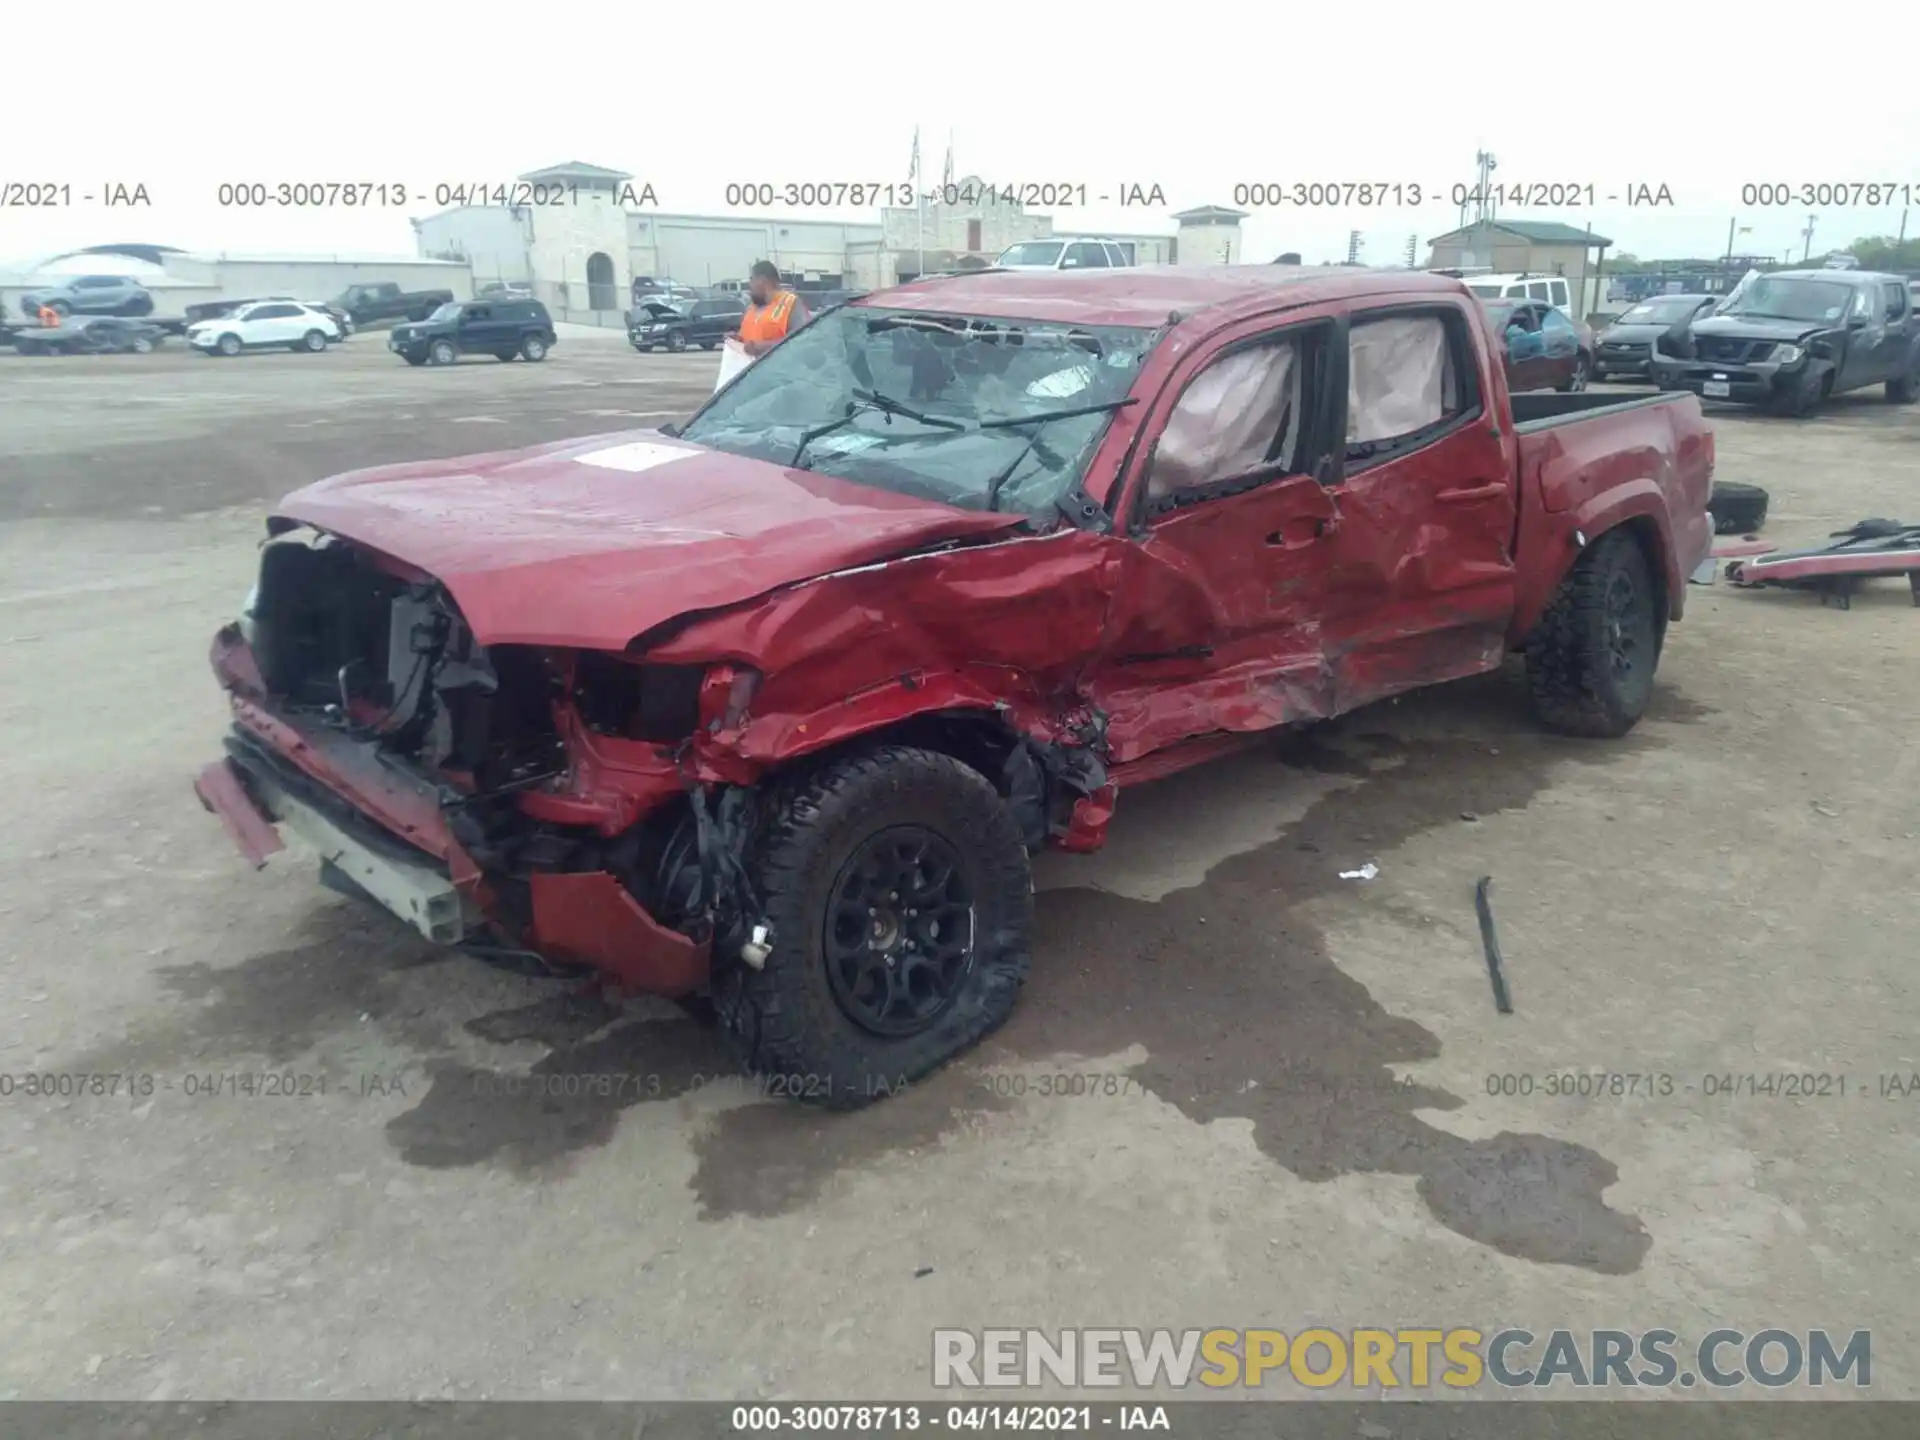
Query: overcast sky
[[188, 97]]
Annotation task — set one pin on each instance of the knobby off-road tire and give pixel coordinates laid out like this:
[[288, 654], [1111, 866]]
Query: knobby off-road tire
[[1590, 660], [798, 1022]]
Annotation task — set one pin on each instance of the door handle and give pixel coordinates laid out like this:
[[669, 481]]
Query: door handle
[[1302, 530], [1472, 493]]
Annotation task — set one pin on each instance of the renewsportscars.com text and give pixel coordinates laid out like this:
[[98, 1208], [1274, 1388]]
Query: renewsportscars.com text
[[1401, 1358]]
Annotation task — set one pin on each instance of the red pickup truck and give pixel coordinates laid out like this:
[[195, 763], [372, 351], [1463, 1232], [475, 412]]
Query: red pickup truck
[[778, 705]]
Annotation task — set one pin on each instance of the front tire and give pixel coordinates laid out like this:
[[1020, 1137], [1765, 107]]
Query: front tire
[[1905, 389], [229, 345], [863, 988], [441, 352], [676, 342], [142, 345], [1798, 400], [1590, 660]]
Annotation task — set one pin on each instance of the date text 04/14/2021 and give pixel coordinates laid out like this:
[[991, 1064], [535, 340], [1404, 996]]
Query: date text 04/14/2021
[[903, 1419]]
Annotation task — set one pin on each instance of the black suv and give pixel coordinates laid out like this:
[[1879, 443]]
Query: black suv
[[501, 328], [659, 325], [1791, 338]]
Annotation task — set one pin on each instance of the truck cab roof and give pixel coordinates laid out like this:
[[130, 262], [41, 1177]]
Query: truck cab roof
[[1148, 296]]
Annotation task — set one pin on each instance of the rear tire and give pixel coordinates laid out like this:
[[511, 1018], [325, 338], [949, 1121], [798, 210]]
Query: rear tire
[[1905, 389], [533, 348], [1590, 660], [857, 997], [314, 341], [505, 355]]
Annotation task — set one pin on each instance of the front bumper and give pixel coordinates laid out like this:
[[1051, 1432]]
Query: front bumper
[[1751, 383], [1611, 360], [387, 831]]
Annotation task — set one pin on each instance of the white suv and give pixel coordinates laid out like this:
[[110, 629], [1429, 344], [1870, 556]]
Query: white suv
[[1064, 255], [266, 325], [1551, 288]]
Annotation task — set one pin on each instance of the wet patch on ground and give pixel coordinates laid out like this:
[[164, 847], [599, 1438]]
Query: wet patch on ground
[[1228, 986], [350, 963]]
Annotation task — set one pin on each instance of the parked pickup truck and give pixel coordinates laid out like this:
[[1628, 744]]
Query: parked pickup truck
[[387, 301], [779, 705], [1792, 338]]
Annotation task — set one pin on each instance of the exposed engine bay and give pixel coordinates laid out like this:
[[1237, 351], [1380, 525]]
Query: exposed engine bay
[[569, 780]]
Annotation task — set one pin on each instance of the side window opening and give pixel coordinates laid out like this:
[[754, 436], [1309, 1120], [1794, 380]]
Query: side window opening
[[1405, 381], [1896, 301], [1516, 292], [1539, 290], [1559, 289], [1245, 412]]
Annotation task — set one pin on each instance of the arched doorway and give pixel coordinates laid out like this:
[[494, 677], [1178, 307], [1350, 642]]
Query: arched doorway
[[600, 287]]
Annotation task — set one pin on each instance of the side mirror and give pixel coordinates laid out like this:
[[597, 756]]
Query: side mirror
[[1856, 322]]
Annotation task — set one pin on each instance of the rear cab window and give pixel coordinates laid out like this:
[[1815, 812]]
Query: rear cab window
[[1410, 380]]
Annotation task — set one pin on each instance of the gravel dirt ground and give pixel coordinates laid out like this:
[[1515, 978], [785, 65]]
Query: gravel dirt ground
[[1296, 1115]]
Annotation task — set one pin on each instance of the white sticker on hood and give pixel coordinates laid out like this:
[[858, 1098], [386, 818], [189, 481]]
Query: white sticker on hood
[[640, 455]]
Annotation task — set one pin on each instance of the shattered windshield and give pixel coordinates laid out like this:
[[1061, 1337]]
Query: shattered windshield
[[928, 405], [1810, 300]]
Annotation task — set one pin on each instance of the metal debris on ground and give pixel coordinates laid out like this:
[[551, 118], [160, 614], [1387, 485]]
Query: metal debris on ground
[[1872, 549], [1502, 1001], [1365, 872]]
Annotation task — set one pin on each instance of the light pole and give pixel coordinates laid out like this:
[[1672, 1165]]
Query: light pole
[[1732, 231], [1807, 234]]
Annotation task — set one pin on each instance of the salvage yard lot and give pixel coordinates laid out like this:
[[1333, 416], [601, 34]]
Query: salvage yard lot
[[1298, 1107]]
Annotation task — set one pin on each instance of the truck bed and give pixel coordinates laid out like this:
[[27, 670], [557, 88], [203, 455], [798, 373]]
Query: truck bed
[[1536, 410], [1589, 462]]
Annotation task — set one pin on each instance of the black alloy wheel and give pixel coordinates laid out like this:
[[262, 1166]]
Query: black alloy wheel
[[899, 931]]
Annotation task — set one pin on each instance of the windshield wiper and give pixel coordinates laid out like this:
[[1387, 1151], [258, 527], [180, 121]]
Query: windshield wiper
[[891, 406], [868, 400], [1045, 416], [807, 437], [994, 485]]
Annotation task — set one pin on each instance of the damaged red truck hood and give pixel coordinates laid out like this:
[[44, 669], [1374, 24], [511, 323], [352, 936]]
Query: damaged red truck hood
[[590, 543]]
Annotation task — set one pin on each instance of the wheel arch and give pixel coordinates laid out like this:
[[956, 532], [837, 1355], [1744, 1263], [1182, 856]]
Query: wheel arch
[[1639, 506], [1040, 779]]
